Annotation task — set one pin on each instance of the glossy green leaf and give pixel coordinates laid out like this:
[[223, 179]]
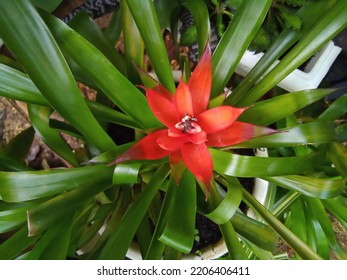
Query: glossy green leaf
[[16, 85], [9, 164], [255, 231], [317, 208], [336, 110], [313, 187], [49, 6], [337, 206], [237, 38], [231, 239], [236, 251], [164, 9], [126, 173], [303, 134], [18, 147], [120, 239], [152, 37], [114, 28], [12, 215], [309, 14], [15, 245], [338, 155], [249, 166], [133, 43], [271, 110], [200, 14], [301, 248], [230, 203], [180, 227], [120, 90], [91, 31], [39, 117], [54, 242], [48, 213], [330, 24], [156, 248], [25, 33], [104, 113], [29, 185]]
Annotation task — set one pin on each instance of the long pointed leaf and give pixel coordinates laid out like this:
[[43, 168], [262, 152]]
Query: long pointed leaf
[[29, 185], [119, 89], [179, 230], [121, 238], [151, 34], [328, 26], [25, 33], [236, 38]]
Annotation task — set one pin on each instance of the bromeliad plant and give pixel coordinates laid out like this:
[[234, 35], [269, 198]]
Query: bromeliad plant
[[92, 209], [191, 126]]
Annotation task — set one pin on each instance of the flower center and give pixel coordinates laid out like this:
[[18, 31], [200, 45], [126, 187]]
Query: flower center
[[188, 125]]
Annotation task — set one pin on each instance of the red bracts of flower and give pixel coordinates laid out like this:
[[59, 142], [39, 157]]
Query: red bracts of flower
[[190, 126]]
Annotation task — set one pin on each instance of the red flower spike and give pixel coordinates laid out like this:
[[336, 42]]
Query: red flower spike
[[237, 133], [183, 100], [218, 118], [191, 128], [162, 106], [199, 161], [146, 148], [200, 82]]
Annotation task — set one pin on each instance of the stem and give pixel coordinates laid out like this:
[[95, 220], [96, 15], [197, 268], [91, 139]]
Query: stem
[[300, 247]]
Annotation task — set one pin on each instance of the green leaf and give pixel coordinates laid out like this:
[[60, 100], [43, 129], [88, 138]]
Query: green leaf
[[9, 164], [271, 110], [133, 43], [39, 117], [336, 109], [200, 14], [50, 212], [304, 134], [54, 242], [18, 242], [255, 231], [29, 185], [309, 13], [156, 248], [337, 206], [16, 85], [230, 203], [301, 248], [119, 89], [237, 38], [29, 39], [180, 228], [248, 166], [18, 147], [338, 155], [330, 24], [320, 214], [313, 187], [120, 239], [126, 173], [12, 215], [49, 6], [153, 39], [91, 31]]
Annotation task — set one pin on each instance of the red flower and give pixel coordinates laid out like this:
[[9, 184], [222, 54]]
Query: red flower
[[191, 127]]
